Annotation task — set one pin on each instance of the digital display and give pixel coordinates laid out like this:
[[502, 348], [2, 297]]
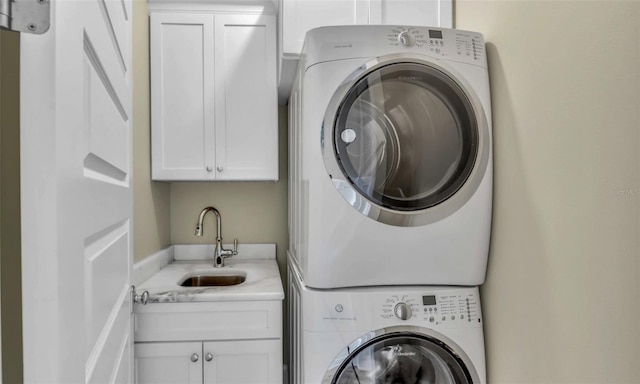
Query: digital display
[[435, 34], [429, 300]]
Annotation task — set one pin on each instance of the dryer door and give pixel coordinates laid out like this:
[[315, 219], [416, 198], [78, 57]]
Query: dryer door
[[408, 138], [401, 357]]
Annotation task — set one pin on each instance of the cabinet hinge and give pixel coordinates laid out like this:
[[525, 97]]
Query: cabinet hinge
[[28, 16]]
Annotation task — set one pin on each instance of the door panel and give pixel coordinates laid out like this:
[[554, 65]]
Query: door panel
[[76, 143]]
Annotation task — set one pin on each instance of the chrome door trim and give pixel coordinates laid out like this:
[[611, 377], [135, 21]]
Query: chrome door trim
[[369, 338], [383, 214]]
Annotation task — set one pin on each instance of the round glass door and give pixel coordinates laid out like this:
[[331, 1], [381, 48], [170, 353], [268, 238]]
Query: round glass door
[[406, 136], [402, 359]]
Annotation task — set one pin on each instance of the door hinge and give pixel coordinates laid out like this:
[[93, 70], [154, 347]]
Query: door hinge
[[28, 16]]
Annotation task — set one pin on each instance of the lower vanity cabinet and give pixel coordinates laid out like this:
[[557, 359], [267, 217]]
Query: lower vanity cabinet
[[229, 362], [209, 342], [254, 361], [168, 363]]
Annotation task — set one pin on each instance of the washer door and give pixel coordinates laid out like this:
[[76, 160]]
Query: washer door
[[401, 356], [407, 136]]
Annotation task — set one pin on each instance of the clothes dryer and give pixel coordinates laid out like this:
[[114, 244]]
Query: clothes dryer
[[391, 157], [386, 335]]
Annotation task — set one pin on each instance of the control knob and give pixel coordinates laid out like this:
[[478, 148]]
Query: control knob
[[406, 39], [402, 311]]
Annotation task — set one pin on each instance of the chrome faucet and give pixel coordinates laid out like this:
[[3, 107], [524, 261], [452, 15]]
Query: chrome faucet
[[219, 253]]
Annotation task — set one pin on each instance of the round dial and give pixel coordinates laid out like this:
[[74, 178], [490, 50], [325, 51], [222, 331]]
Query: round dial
[[406, 39], [402, 311]]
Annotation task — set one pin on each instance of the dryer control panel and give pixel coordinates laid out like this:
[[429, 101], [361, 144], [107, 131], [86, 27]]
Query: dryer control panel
[[370, 41], [432, 308], [446, 43]]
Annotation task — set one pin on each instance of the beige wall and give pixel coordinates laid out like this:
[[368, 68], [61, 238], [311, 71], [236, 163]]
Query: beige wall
[[10, 208], [562, 296], [151, 207], [254, 212]]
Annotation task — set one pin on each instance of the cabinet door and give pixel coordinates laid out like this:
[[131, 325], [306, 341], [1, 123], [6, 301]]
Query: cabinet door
[[182, 96], [430, 13], [243, 362], [246, 98], [168, 363], [299, 16]]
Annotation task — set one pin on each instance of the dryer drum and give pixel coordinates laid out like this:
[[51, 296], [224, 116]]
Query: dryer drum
[[406, 136]]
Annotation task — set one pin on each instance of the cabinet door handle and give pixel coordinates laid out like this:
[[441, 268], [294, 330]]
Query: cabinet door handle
[[209, 169], [195, 357], [208, 357]]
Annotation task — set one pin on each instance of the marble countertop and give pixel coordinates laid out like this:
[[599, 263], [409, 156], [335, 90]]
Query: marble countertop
[[262, 281]]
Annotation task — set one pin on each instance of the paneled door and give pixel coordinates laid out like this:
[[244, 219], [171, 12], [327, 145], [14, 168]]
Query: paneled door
[[76, 190]]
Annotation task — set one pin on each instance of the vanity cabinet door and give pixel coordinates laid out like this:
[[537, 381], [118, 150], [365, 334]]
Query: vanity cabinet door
[[243, 362], [168, 363]]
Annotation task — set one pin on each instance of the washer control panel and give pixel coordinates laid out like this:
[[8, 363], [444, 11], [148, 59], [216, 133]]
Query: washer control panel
[[446, 43], [437, 308], [363, 309]]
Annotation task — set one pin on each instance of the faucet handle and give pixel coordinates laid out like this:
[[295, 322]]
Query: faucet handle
[[235, 246]]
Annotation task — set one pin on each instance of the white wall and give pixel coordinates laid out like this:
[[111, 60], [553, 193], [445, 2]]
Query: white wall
[[562, 297]]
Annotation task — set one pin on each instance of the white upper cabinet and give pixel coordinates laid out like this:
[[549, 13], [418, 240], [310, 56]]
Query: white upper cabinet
[[299, 16], [213, 95]]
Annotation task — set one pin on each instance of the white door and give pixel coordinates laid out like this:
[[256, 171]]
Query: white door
[[76, 147]]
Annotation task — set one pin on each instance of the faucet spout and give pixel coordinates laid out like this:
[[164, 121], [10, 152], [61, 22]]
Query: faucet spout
[[219, 253]]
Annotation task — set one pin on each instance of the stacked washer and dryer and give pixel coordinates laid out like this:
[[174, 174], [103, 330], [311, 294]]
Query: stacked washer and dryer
[[390, 206]]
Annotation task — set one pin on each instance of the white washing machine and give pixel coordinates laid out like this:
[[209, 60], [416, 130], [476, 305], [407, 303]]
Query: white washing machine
[[391, 335], [391, 157]]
